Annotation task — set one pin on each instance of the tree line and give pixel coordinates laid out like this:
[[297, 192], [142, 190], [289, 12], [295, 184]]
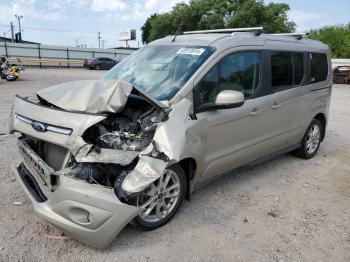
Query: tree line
[[214, 14], [336, 37]]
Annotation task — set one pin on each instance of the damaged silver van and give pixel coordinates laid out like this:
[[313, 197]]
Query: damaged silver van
[[128, 148]]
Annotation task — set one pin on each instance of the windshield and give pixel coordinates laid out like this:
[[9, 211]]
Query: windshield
[[160, 70]]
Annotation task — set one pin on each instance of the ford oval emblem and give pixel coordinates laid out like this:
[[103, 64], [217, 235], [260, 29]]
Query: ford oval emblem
[[38, 126]]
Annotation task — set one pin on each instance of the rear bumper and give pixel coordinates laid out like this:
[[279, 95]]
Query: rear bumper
[[92, 214]]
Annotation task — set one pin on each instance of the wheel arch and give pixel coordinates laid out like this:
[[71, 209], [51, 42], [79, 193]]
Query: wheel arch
[[189, 165], [322, 118]]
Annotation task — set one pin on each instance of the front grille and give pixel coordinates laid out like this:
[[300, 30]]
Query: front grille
[[52, 154]]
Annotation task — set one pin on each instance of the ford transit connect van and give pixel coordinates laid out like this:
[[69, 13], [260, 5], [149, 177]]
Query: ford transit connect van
[[97, 155]]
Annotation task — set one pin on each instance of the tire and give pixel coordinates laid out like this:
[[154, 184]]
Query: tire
[[11, 78], [98, 67], [311, 140], [161, 201]]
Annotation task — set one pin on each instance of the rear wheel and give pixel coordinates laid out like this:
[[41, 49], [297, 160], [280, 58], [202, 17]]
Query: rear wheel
[[311, 141], [162, 199]]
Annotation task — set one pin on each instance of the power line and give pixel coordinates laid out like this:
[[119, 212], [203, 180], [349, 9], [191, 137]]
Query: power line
[[103, 42], [51, 29], [59, 30]]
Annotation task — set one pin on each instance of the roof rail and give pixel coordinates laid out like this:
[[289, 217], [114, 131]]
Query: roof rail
[[256, 30], [298, 36]]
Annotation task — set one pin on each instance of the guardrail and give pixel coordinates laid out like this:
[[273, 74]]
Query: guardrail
[[49, 55], [40, 62]]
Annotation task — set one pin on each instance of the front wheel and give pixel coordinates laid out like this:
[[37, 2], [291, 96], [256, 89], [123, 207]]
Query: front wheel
[[311, 141], [162, 199], [11, 78]]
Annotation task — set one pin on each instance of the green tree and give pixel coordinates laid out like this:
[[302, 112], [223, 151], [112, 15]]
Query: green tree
[[146, 28], [336, 37], [212, 14]]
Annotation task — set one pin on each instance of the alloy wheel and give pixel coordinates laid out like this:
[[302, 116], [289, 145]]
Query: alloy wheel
[[160, 198], [313, 139]]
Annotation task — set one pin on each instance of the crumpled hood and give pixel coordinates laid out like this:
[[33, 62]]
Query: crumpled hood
[[92, 96]]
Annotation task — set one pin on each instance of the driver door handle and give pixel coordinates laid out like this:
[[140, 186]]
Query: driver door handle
[[277, 105], [256, 111]]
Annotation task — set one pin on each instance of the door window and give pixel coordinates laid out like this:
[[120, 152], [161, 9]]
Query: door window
[[209, 86], [281, 69], [104, 59], [238, 71]]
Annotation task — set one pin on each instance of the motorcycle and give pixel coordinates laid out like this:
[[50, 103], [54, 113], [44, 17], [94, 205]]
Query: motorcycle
[[3, 68], [13, 72], [3, 72]]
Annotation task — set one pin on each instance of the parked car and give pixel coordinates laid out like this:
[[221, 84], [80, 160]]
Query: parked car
[[100, 63], [341, 74], [97, 155]]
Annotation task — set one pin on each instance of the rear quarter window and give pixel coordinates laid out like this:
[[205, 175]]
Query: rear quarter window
[[318, 67]]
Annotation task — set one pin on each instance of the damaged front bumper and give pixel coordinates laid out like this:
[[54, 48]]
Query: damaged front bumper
[[84, 184], [89, 213]]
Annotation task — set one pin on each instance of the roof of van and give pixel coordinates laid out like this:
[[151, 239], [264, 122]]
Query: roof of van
[[226, 40]]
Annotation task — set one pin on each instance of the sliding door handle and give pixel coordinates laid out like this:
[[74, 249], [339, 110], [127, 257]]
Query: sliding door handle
[[277, 105], [256, 111]]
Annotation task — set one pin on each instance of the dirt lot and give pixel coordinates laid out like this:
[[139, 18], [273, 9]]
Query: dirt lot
[[285, 210]]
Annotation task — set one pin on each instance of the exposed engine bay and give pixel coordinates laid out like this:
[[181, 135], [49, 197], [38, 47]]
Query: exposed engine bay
[[132, 129], [115, 143]]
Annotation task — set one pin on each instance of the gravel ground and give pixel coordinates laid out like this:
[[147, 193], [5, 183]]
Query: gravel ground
[[288, 209]]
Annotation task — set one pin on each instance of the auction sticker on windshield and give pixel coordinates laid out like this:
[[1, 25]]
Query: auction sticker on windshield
[[190, 51]]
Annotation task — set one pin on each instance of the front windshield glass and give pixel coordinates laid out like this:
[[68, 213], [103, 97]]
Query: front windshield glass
[[160, 70]]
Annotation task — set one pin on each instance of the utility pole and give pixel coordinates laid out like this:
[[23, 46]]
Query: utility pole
[[12, 32], [19, 17], [103, 43], [99, 39], [77, 41]]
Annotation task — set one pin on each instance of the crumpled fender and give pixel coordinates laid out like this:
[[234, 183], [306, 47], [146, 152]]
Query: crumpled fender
[[174, 142]]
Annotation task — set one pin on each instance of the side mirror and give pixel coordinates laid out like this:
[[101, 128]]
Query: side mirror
[[229, 99]]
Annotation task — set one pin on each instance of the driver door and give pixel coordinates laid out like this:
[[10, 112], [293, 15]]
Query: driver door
[[240, 135]]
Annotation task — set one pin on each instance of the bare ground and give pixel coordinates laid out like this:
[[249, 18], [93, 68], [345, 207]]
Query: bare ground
[[285, 210]]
